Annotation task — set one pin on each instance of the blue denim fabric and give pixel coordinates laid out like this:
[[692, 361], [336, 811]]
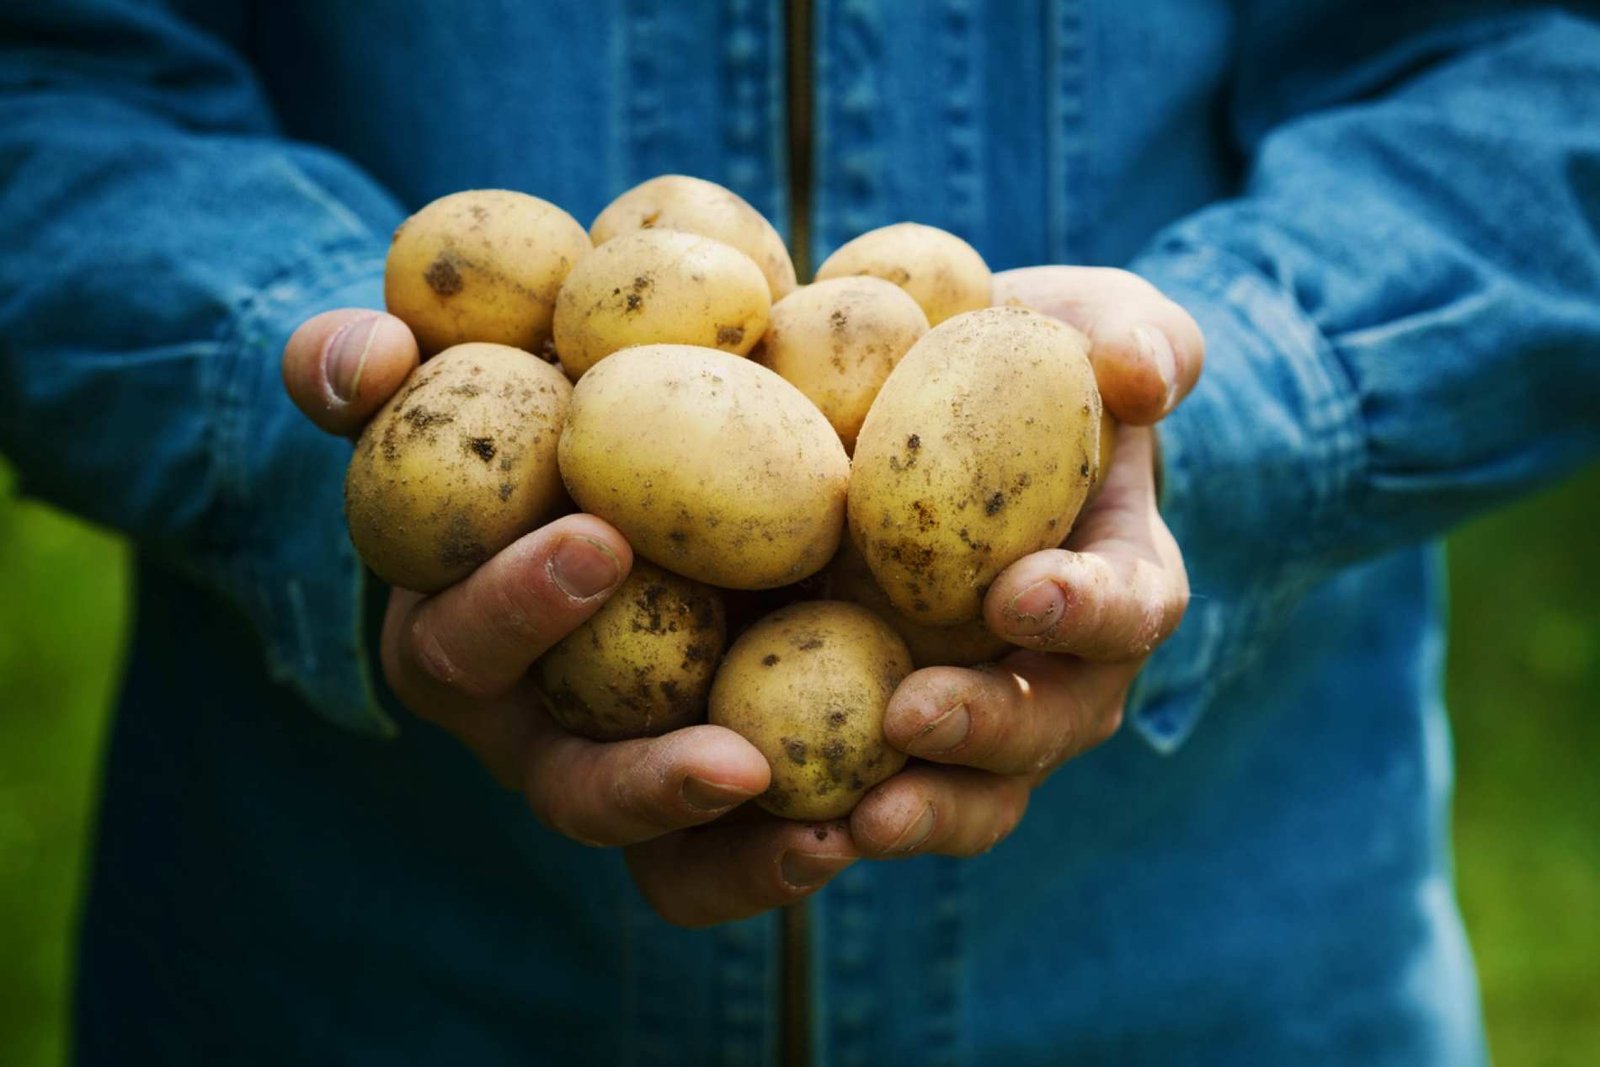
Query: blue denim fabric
[[1385, 216]]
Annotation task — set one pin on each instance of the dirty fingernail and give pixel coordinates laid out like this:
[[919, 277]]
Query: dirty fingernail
[[583, 568], [943, 733], [1155, 347], [915, 833], [709, 796], [1036, 609], [804, 870], [347, 356]]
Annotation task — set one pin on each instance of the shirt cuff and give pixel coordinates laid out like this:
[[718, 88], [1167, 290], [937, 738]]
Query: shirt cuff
[[281, 485], [1257, 463]]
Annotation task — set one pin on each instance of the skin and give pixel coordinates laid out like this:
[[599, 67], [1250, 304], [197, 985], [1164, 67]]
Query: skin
[[697, 853]]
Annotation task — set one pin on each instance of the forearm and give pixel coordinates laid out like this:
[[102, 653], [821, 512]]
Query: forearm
[[162, 243], [1403, 324]]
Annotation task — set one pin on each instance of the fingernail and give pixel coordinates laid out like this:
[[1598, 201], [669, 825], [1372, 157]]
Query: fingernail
[[803, 870], [583, 568], [943, 733], [1155, 347], [1035, 609], [709, 796], [915, 833], [347, 356]]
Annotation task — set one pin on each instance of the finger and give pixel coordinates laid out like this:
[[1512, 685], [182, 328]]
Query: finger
[[623, 792], [734, 870], [1147, 351], [478, 638], [1024, 715], [341, 366], [948, 811], [1119, 587]]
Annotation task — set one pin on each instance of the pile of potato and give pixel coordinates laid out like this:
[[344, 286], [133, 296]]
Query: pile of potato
[[731, 424]]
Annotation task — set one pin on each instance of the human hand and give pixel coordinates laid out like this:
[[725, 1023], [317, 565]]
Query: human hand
[[460, 658], [1086, 615]]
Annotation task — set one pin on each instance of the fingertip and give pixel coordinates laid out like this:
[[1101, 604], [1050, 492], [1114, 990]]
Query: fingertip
[[921, 701], [339, 367], [1136, 369], [892, 821], [720, 757]]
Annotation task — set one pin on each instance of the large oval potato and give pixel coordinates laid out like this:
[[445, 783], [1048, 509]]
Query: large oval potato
[[944, 275], [837, 341], [978, 451], [694, 205], [482, 265], [962, 644], [808, 685], [659, 287], [459, 463], [642, 664], [710, 465]]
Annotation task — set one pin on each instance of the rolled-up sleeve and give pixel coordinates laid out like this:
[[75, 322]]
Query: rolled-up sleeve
[[1402, 316], [162, 241]]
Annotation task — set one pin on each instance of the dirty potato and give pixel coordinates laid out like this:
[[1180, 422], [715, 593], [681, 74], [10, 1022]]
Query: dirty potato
[[837, 341], [808, 685], [482, 265], [710, 465], [944, 275], [642, 664], [978, 451], [659, 287], [459, 463], [962, 644], [694, 205]]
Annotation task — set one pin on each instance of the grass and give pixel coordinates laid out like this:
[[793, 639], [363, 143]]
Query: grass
[[1524, 685]]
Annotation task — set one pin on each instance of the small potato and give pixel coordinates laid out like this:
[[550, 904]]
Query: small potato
[[694, 205], [808, 685], [482, 265], [838, 340], [710, 465], [459, 463], [943, 273], [978, 451], [660, 287], [964, 644], [642, 664]]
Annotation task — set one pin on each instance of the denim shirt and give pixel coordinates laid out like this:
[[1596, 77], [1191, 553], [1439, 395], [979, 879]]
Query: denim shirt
[[1385, 216]]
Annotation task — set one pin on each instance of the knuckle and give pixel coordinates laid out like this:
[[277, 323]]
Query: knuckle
[[521, 612], [439, 666]]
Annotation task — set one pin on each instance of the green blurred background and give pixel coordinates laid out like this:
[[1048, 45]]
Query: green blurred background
[[1524, 689]]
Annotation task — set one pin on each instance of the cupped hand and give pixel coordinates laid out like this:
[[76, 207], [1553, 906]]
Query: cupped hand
[[460, 659], [1085, 615]]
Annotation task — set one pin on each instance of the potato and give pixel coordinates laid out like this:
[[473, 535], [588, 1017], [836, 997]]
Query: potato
[[483, 265], [459, 463], [642, 664], [659, 287], [694, 205], [964, 644], [710, 465], [1103, 458], [837, 341], [808, 686], [978, 451], [943, 273]]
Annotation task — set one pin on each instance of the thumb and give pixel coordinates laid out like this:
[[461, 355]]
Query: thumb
[[1146, 350], [342, 366]]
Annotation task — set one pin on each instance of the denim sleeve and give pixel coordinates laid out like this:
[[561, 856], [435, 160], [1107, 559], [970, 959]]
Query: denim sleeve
[[1402, 315], [162, 240]]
